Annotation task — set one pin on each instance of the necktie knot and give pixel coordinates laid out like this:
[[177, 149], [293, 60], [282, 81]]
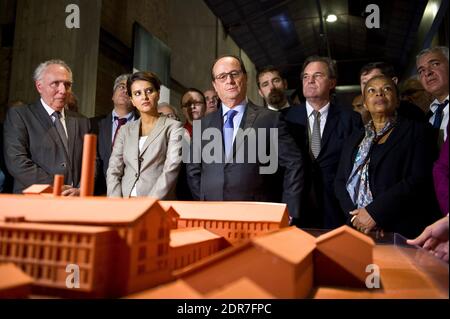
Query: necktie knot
[[316, 114], [438, 114], [56, 115], [230, 115], [120, 121]]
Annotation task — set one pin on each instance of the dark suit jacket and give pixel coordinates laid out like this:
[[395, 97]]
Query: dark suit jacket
[[243, 181], [102, 126], [320, 208], [400, 179], [33, 149]]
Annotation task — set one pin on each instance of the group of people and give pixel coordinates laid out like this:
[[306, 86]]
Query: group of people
[[380, 168]]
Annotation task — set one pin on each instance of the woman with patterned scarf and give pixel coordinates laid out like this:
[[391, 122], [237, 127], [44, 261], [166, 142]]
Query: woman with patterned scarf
[[384, 180]]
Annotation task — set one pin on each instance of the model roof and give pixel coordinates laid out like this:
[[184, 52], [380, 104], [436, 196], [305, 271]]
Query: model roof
[[243, 288], [237, 211], [188, 236], [345, 230], [75, 210], [11, 276], [291, 244]]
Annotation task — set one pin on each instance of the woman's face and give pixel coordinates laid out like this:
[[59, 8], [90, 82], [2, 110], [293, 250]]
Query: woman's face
[[380, 97], [144, 96]]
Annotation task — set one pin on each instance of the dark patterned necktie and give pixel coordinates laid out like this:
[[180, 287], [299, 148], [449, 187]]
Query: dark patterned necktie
[[120, 122]]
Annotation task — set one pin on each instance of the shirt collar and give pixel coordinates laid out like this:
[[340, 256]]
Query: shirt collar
[[50, 111], [272, 108], [129, 116], [240, 108], [323, 111], [435, 104]]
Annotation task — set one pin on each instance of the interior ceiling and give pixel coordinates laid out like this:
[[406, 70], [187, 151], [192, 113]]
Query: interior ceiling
[[284, 33]]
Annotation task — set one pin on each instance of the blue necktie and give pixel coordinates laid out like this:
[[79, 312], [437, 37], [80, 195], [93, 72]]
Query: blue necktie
[[439, 114], [228, 130]]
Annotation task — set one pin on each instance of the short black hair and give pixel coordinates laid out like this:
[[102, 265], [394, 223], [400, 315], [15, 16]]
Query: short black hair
[[241, 64], [267, 69], [143, 76], [385, 68]]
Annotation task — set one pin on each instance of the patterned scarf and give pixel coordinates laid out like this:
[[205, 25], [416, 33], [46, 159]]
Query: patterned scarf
[[358, 183]]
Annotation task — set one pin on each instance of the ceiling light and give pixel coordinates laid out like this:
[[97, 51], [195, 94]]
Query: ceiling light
[[331, 18]]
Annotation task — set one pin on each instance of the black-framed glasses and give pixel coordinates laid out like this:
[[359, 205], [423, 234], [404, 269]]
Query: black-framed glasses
[[222, 77]]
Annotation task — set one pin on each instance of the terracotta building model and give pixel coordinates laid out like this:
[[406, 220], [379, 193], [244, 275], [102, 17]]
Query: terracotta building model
[[134, 241], [14, 283], [235, 221], [295, 269]]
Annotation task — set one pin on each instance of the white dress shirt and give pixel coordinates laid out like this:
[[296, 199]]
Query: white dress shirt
[[443, 128], [323, 117], [50, 112]]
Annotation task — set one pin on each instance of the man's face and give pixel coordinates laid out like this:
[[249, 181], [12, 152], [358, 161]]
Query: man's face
[[230, 82], [433, 74], [120, 97], [316, 81], [54, 85], [365, 77], [211, 101], [193, 106], [272, 88]]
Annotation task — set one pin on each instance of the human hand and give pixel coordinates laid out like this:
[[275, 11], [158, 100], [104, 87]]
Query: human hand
[[70, 191], [434, 238], [362, 220]]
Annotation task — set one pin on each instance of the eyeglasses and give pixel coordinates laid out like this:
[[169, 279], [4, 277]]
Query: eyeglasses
[[193, 103], [222, 77], [212, 98]]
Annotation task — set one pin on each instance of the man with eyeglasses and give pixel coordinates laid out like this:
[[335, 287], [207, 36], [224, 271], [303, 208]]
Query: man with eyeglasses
[[43, 139], [212, 101], [231, 179], [320, 128], [272, 88], [107, 127]]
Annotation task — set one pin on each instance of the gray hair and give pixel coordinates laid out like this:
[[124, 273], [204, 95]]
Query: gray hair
[[439, 49], [331, 65], [37, 75], [119, 79]]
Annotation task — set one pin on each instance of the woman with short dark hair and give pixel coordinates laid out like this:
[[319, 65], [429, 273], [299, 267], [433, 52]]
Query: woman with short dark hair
[[384, 180], [146, 157]]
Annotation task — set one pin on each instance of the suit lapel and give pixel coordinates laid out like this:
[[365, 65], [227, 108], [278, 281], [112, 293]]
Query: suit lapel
[[155, 132], [46, 122], [332, 120], [72, 130], [396, 137], [250, 114], [107, 133]]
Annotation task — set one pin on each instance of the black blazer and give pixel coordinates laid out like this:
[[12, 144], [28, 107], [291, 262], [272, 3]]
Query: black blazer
[[102, 126], [33, 149], [243, 181], [320, 208], [400, 179]]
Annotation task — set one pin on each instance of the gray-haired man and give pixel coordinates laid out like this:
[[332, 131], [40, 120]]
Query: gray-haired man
[[44, 139]]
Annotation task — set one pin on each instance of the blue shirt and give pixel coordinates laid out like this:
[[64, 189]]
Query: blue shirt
[[240, 108]]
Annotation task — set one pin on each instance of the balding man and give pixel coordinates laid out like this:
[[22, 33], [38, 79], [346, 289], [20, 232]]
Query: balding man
[[44, 139], [235, 178]]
